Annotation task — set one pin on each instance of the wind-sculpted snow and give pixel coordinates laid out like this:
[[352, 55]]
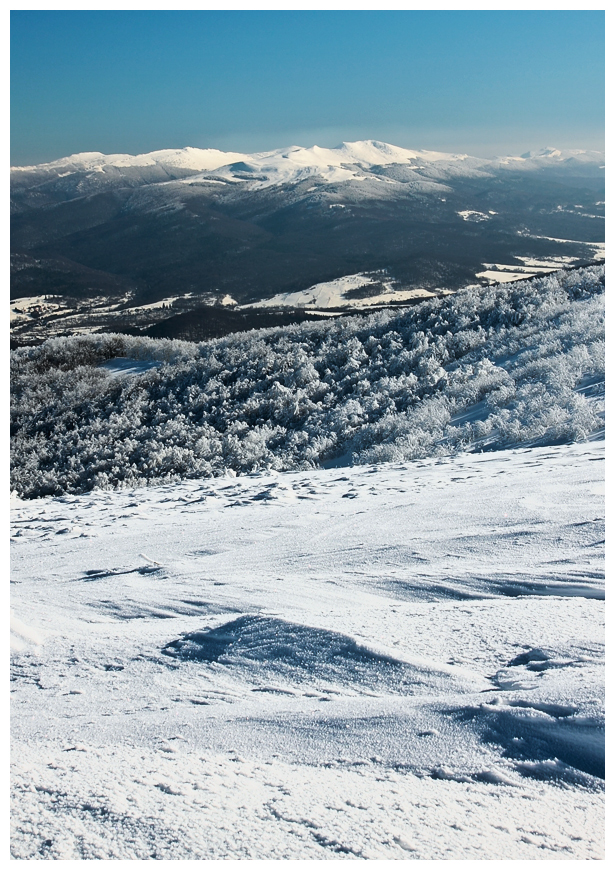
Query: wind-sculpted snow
[[402, 661], [299, 654], [517, 364], [272, 640], [532, 734]]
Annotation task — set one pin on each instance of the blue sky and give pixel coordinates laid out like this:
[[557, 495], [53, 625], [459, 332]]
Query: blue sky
[[486, 83]]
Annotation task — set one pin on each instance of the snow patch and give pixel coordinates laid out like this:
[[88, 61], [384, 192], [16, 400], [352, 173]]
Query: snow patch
[[335, 294], [120, 366], [475, 216], [23, 636]]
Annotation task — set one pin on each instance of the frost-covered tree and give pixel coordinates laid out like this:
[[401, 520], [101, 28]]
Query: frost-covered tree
[[510, 364]]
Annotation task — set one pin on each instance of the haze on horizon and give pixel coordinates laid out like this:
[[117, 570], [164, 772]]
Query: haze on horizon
[[480, 82]]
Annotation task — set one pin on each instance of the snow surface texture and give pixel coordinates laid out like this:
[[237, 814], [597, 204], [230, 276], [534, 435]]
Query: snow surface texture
[[482, 369], [401, 661]]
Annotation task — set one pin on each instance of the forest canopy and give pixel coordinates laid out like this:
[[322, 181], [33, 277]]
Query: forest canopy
[[507, 365]]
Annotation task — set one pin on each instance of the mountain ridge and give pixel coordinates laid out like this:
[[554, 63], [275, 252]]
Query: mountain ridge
[[295, 163], [195, 158]]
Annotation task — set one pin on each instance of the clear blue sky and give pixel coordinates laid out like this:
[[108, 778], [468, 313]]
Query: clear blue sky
[[486, 83]]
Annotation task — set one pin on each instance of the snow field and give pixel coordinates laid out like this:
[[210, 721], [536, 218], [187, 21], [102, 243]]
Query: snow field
[[333, 294], [145, 804], [392, 661]]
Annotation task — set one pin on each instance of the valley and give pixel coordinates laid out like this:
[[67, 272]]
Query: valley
[[121, 243]]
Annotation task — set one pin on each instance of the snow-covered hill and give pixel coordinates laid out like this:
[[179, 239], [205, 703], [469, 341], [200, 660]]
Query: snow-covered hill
[[402, 661], [328, 591], [347, 292], [516, 364], [196, 159]]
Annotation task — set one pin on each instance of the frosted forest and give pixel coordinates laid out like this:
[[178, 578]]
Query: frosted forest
[[517, 364]]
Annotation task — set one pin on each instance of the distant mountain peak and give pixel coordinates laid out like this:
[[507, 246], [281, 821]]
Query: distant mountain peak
[[297, 162], [543, 152]]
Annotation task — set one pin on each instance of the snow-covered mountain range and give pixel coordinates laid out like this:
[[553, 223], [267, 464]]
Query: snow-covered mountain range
[[182, 228], [350, 160]]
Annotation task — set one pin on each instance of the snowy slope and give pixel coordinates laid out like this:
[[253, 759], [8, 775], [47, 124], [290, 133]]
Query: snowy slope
[[198, 159], [338, 294], [400, 661]]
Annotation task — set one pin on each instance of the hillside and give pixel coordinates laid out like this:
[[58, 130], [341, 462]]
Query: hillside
[[516, 364], [390, 662]]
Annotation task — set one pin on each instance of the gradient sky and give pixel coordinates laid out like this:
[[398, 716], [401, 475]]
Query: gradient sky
[[485, 83]]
